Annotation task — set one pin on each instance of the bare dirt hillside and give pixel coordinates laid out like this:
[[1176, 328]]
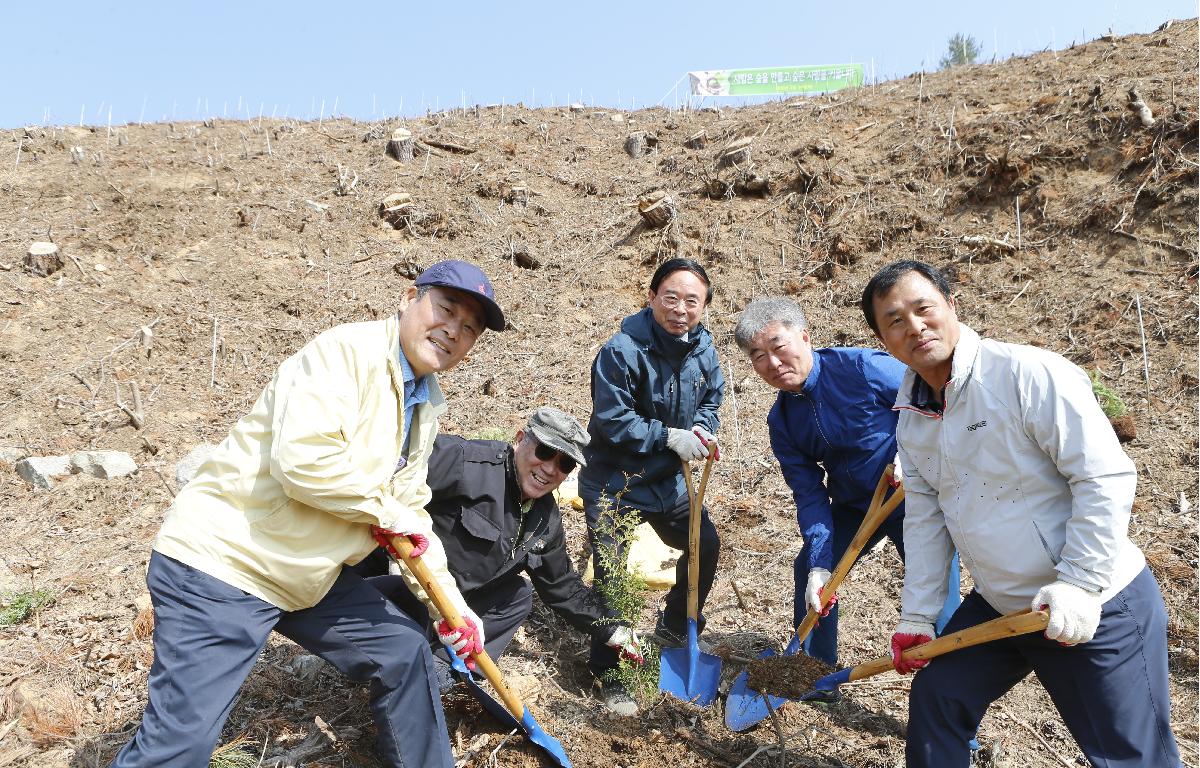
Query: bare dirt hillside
[[1067, 221]]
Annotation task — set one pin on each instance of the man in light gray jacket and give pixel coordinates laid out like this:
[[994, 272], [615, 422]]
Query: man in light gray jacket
[[1008, 457]]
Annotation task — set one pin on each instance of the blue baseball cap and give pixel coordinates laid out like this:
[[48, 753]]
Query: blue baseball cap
[[468, 278]]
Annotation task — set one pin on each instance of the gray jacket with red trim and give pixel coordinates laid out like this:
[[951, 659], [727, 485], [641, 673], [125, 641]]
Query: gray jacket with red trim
[[1021, 472]]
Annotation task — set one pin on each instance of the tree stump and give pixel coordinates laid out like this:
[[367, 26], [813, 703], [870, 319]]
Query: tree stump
[[396, 209], [400, 145], [657, 208], [735, 153], [635, 144], [698, 140], [43, 259], [639, 143]]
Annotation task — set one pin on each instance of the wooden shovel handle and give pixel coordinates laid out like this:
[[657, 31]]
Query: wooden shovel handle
[[876, 514], [454, 619], [1019, 623], [695, 507]]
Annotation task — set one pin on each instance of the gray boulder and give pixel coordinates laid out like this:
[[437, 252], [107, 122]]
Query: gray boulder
[[39, 471], [105, 465]]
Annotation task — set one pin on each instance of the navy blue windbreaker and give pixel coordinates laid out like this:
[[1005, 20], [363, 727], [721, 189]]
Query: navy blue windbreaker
[[843, 418], [643, 381]]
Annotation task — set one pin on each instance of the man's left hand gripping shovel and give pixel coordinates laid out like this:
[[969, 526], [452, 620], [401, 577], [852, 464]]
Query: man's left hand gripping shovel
[[511, 700]]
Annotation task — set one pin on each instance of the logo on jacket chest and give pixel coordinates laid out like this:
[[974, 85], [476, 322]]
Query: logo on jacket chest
[[976, 425], [538, 546]]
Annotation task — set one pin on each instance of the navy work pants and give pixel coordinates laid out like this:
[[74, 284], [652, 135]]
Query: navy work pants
[[672, 527], [208, 635], [821, 643], [1111, 692]]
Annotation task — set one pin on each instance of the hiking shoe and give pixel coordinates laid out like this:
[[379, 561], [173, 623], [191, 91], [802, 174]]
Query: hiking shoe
[[823, 697], [616, 699], [665, 637]]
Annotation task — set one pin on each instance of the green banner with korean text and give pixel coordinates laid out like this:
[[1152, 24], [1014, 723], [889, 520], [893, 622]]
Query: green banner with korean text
[[767, 81]]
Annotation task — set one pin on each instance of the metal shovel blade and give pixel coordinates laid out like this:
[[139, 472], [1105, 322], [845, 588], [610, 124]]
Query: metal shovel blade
[[688, 673], [496, 709], [745, 708]]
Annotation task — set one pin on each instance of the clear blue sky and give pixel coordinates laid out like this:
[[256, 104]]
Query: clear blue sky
[[186, 60]]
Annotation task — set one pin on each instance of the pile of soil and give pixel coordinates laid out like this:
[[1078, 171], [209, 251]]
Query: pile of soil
[[787, 676], [1065, 220]]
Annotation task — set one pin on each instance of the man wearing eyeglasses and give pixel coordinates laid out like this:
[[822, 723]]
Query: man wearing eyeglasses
[[656, 389], [494, 511]]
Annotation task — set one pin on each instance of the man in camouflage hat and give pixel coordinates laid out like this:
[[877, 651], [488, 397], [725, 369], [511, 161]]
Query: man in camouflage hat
[[494, 511]]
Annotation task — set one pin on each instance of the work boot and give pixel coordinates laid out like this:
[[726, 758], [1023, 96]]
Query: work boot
[[822, 697], [616, 699], [665, 637], [445, 677]]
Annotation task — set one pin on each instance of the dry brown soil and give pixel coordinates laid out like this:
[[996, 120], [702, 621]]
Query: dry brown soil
[[237, 242]]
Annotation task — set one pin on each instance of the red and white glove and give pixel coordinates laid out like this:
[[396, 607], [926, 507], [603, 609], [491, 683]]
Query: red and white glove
[[896, 479], [688, 445], [814, 592], [463, 640], [908, 634], [626, 642], [708, 440], [382, 535], [1074, 612]]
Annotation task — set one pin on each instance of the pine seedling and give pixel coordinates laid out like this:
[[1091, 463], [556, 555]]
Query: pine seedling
[[623, 591], [1110, 402], [21, 605]]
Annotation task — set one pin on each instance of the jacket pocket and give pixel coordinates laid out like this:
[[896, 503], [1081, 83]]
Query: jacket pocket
[[478, 524], [1045, 544]]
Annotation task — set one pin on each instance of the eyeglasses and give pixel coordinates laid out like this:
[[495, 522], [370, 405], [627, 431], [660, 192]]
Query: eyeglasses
[[544, 453], [670, 301]]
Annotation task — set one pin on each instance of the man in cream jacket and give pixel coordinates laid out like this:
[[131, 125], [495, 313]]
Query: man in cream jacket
[[1008, 457], [336, 445]]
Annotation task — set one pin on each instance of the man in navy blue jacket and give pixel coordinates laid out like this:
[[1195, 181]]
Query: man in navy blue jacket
[[656, 389], [833, 432]]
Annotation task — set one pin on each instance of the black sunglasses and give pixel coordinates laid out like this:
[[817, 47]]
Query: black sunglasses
[[545, 453]]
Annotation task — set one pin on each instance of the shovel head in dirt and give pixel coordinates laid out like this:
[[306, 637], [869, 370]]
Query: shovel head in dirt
[[745, 708], [688, 673]]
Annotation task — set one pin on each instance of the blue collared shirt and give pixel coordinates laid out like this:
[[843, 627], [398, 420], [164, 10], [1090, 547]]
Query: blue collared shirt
[[416, 391]]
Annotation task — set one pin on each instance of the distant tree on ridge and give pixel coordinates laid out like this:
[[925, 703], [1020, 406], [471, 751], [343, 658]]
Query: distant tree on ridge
[[960, 49]]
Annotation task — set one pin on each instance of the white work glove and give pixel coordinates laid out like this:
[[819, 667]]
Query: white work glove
[[709, 440], [817, 579], [1074, 612], [687, 444], [463, 641], [626, 642], [908, 634]]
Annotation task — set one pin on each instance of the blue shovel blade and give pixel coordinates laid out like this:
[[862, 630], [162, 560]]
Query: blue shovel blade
[[532, 730], [745, 708], [687, 673], [495, 708]]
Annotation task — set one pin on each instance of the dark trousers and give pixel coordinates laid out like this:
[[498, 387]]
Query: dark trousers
[[1111, 692], [502, 606], [208, 635], [821, 643], [672, 528]]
